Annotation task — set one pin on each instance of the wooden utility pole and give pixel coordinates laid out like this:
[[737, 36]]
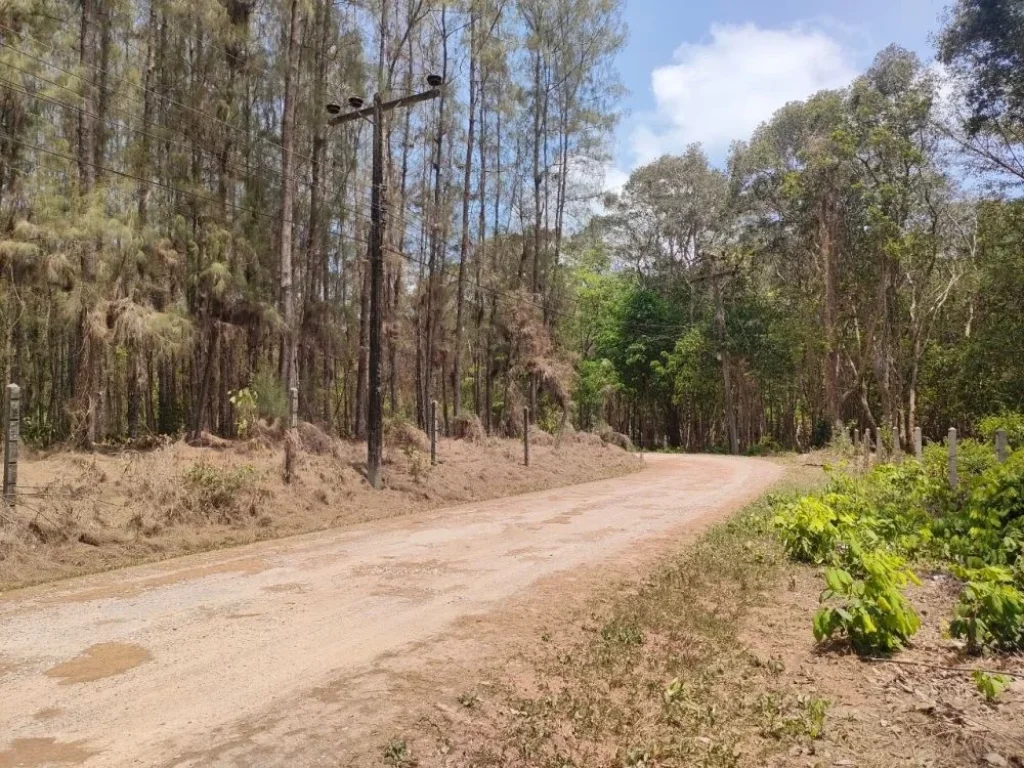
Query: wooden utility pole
[[374, 400], [374, 406]]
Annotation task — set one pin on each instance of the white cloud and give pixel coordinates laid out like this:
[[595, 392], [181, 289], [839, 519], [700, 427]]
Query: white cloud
[[720, 90], [614, 179]]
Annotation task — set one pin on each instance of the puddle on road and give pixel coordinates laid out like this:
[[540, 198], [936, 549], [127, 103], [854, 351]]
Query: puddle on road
[[30, 753], [100, 661]]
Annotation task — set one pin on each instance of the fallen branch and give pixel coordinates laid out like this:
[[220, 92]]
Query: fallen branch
[[903, 662]]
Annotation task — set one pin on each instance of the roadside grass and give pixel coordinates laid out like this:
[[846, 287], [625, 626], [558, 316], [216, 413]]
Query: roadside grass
[[662, 679]]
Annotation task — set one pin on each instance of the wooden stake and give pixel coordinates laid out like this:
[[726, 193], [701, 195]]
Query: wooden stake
[[433, 432], [526, 435]]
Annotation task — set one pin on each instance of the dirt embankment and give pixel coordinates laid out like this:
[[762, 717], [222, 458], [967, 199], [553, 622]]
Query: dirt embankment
[[85, 512]]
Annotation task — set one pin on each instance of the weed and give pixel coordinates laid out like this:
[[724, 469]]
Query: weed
[[468, 700], [990, 685], [209, 493], [991, 610], [396, 753], [620, 631], [873, 614], [815, 709], [246, 408], [417, 462]]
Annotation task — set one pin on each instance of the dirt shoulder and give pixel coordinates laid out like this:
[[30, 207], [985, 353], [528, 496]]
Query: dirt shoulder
[[85, 512]]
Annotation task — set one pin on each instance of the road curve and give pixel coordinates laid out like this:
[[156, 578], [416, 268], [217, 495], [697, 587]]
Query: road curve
[[161, 664]]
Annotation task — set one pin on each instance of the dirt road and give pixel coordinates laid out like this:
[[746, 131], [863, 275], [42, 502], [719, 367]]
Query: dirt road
[[267, 654]]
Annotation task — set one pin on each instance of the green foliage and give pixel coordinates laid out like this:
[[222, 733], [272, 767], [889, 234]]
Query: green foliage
[[268, 390], [245, 403], [397, 754], [873, 613], [990, 612], [596, 380], [1010, 421], [811, 529], [864, 527], [620, 631], [990, 685]]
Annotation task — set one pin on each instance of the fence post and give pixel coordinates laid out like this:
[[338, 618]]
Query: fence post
[[951, 443], [12, 436], [526, 435], [856, 439], [433, 432], [291, 437], [293, 408], [1001, 446], [918, 443], [879, 447], [865, 445]]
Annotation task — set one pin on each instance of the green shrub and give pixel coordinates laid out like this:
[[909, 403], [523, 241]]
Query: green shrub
[[989, 685], [210, 494], [873, 613], [246, 404], [864, 528], [271, 399], [1011, 421], [810, 529], [990, 613], [986, 524]]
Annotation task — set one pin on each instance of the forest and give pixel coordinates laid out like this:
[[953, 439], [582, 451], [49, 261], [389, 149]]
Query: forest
[[182, 230]]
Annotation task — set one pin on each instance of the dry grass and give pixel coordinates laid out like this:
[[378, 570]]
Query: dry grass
[[469, 427], [82, 512], [709, 661]]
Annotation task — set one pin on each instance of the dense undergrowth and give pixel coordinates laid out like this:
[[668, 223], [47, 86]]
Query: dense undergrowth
[[866, 530]]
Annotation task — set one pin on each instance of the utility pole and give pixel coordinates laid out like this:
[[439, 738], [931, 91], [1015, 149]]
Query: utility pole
[[374, 401]]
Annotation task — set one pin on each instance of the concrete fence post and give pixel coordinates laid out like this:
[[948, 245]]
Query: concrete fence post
[[433, 432], [12, 437], [951, 445], [879, 447], [865, 445], [856, 439], [526, 436], [918, 443], [291, 439], [1001, 452]]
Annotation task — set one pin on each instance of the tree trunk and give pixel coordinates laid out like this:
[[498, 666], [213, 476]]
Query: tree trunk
[[464, 247], [285, 274]]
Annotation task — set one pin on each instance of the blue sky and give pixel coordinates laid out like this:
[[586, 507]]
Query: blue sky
[[712, 71]]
